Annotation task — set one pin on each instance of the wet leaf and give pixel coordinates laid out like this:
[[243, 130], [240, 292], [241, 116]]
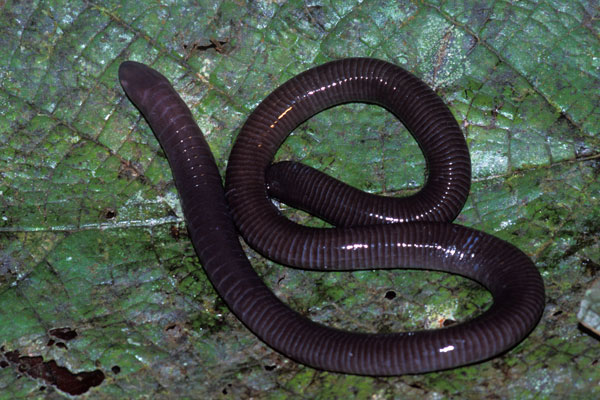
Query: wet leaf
[[92, 235]]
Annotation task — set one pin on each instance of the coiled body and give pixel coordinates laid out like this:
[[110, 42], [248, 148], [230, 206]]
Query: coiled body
[[371, 232]]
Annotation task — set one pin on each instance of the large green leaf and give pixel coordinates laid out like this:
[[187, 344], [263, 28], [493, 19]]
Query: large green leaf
[[92, 236]]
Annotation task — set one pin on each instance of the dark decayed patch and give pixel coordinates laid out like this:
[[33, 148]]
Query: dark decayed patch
[[52, 373]]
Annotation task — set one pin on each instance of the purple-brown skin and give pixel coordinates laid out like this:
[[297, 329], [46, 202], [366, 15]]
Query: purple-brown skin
[[364, 238]]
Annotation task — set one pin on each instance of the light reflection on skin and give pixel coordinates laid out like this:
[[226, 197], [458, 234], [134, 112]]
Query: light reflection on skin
[[451, 251], [290, 108], [446, 349], [355, 246], [388, 219]]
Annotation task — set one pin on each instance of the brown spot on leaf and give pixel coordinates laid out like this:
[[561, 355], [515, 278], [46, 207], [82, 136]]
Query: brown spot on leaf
[[128, 171], [52, 373], [65, 334], [217, 45], [175, 234], [109, 213], [390, 295]]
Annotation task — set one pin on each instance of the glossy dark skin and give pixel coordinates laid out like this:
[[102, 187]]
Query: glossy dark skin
[[421, 234]]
